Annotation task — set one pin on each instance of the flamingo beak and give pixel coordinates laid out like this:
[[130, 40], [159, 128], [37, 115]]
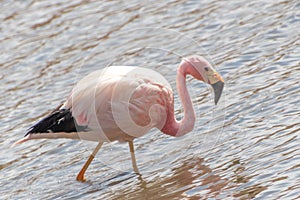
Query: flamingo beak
[[218, 89]]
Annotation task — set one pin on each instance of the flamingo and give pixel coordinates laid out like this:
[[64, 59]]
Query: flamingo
[[121, 103]]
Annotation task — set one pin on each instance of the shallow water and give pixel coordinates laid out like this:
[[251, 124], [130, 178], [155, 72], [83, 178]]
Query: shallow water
[[246, 147]]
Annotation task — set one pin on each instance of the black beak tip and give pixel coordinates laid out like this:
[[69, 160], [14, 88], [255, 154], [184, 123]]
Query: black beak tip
[[218, 89]]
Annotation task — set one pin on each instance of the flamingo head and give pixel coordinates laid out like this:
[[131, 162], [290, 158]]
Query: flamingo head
[[201, 69]]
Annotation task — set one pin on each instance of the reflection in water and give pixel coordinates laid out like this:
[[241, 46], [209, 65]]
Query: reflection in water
[[190, 179], [247, 147]]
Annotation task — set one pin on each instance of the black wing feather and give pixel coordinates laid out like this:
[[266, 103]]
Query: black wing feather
[[58, 121]]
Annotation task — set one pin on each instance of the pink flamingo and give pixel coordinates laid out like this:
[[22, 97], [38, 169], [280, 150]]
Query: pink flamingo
[[122, 103]]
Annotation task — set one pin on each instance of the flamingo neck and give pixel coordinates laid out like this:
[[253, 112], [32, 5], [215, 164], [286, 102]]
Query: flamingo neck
[[186, 124]]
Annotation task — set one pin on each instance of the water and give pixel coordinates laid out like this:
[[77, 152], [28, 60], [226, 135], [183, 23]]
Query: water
[[246, 147]]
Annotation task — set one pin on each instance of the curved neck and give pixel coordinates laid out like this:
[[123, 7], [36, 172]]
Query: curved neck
[[186, 124]]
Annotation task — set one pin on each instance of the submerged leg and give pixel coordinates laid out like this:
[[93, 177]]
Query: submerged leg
[[80, 176], [131, 147]]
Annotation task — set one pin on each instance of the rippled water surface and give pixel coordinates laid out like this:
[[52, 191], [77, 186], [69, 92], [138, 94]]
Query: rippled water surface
[[246, 147]]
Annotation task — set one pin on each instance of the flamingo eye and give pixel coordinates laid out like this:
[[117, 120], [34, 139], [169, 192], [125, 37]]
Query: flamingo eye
[[206, 69]]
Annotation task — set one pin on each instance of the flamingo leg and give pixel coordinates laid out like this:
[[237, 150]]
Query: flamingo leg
[[80, 176], [134, 165]]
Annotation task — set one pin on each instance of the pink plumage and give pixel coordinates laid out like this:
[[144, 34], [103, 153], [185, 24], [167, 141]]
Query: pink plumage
[[123, 102]]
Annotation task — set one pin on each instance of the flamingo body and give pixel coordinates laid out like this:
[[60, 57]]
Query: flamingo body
[[120, 102]]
